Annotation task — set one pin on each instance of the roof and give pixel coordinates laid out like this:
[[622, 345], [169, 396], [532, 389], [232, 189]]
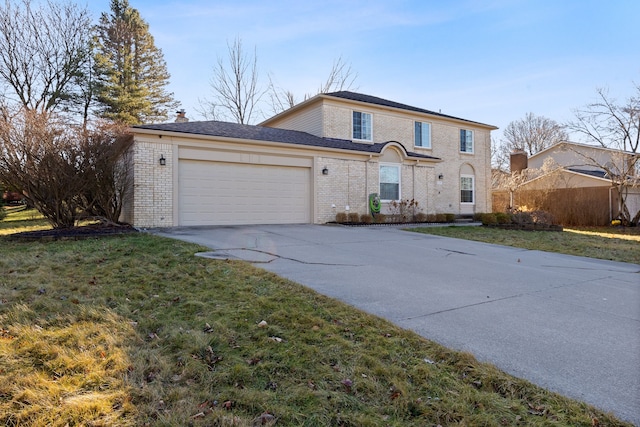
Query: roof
[[263, 133], [368, 99], [386, 103], [590, 172], [577, 146]]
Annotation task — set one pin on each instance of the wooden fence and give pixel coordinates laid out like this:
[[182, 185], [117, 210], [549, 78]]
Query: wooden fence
[[569, 206]]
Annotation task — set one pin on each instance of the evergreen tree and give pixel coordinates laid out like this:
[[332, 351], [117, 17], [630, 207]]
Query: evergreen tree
[[131, 72]]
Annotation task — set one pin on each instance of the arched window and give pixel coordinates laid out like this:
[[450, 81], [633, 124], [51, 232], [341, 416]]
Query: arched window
[[467, 185]]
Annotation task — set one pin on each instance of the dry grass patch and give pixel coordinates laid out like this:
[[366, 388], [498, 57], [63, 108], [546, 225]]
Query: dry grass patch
[[595, 242], [20, 219], [137, 329]]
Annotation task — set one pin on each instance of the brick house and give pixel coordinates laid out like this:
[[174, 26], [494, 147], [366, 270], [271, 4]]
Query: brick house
[[323, 156]]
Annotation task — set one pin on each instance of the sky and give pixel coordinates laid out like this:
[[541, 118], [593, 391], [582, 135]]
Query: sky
[[490, 61]]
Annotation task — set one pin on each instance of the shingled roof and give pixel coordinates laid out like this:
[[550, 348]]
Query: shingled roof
[[386, 103], [263, 133]]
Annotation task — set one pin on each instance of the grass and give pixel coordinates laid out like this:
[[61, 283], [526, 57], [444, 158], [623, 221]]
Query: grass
[[608, 243], [136, 331], [21, 219]]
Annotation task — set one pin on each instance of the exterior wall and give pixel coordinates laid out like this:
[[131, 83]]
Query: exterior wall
[[574, 155], [564, 179], [153, 185], [350, 181], [306, 120], [445, 144], [346, 185]]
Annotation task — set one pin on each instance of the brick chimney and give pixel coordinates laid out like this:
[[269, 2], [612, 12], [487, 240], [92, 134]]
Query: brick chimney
[[519, 161], [181, 117]]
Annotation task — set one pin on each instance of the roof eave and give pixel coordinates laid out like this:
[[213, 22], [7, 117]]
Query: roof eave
[[269, 143]]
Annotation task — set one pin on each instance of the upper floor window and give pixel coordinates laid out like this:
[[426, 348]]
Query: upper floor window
[[466, 141], [389, 182], [422, 135], [466, 189], [361, 126]]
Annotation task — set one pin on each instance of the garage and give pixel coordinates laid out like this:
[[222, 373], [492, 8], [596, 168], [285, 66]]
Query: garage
[[226, 193]]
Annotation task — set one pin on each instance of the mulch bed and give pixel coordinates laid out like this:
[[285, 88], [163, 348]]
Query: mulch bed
[[74, 233]]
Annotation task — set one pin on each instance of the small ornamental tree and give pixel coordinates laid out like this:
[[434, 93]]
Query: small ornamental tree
[[66, 172]]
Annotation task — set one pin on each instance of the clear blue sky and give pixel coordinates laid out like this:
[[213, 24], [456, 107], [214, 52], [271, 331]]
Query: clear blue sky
[[489, 61]]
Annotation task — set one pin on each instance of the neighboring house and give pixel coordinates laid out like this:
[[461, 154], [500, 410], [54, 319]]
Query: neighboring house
[[323, 156], [570, 165]]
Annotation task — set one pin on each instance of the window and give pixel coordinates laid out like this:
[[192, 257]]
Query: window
[[466, 189], [361, 126], [466, 141], [389, 182], [422, 135]]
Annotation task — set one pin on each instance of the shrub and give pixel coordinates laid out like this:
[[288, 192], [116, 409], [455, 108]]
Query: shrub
[[432, 218], [477, 217], [72, 172], [366, 219], [381, 218], [440, 218], [521, 218], [421, 217], [503, 218], [542, 217], [353, 217], [449, 217], [488, 219], [341, 217]]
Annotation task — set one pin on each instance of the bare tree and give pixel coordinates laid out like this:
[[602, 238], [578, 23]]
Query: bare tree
[[105, 170], [616, 126], [235, 85], [532, 134], [66, 172], [42, 51], [341, 77]]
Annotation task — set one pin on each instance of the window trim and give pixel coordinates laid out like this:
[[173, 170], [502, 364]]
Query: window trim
[[370, 126], [473, 189], [473, 143], [415, 135], [398, 166]]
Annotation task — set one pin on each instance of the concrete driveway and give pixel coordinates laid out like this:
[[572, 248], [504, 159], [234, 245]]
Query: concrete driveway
[[568, 324]]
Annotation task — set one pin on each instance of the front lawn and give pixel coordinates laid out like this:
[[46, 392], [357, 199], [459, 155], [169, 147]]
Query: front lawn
[[135, 330], [616, 244]]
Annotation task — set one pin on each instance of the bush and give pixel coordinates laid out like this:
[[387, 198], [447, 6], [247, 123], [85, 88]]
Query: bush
[[488, 218], [72, 172], [366, 219], [421, 217], [521, 218], [353, 217], [341, 217], [440, 218], [503, 218], [381, 218], [542, 217], [431, 218], [449, 217]]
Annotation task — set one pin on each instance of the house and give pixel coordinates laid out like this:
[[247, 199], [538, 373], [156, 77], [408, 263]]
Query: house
[[323, 156], [579, 173]]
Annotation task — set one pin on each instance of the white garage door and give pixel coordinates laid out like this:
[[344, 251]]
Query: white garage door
[[218, 193]]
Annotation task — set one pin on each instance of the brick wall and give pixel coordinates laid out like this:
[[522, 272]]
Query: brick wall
[[440, 196], [153, 188]]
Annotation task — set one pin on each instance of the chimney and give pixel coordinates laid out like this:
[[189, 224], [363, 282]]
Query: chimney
[[519, 161], [181, 117]]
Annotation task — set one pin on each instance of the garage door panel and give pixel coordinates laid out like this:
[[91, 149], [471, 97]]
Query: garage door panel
[[218, 193]]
